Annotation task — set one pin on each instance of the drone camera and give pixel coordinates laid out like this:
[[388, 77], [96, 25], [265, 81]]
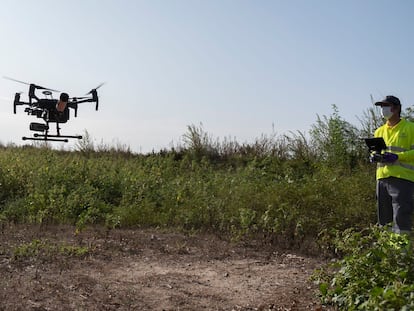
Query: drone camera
[[38, 127]]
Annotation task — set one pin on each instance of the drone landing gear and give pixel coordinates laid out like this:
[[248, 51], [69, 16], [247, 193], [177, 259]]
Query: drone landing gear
[[40, 127], [48, 137], [62, 136], [45, 139]]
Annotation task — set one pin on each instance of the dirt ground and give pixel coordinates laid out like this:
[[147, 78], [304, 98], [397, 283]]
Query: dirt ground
[[55, 269]]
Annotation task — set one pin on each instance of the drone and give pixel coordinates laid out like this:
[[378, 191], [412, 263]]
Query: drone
[[51, 110]]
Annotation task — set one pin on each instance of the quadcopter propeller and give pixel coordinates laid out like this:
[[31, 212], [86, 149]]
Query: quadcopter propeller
[[8, 78], [36, 86], [95, 94], [91, 91]]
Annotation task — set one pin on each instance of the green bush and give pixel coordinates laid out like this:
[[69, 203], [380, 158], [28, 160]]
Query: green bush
[[289, 198], [375, 273], [287, 187]]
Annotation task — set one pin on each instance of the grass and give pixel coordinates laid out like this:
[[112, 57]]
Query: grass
[[44, 249]]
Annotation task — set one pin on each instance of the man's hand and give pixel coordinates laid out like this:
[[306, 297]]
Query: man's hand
[[375, 157], [386, 157], [389, 157]]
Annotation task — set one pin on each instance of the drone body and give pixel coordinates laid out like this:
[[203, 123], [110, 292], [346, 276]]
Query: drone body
[[51, 110]]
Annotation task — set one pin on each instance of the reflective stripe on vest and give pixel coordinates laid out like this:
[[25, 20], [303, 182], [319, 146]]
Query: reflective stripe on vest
[[407, 166], [398, 149], [395, 149]]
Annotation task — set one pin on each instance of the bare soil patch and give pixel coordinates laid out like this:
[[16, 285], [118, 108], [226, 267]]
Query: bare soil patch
[[55, 269]]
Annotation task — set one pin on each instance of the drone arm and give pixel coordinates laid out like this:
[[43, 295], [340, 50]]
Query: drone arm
[[74, 105], [17, 102], [87, 100], [94, 99], [32, 94]]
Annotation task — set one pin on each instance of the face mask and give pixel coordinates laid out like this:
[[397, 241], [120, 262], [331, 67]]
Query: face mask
[[386, 112]]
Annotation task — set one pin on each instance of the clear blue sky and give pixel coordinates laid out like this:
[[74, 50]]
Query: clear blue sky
[[242, 68]]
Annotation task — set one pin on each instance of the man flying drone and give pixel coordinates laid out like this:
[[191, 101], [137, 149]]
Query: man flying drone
[[51, 110]]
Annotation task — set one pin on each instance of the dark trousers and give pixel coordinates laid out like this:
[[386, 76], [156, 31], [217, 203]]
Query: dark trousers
[[395, 203]]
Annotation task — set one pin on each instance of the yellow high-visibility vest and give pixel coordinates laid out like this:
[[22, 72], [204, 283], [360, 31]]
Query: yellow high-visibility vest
[[399, 139]]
